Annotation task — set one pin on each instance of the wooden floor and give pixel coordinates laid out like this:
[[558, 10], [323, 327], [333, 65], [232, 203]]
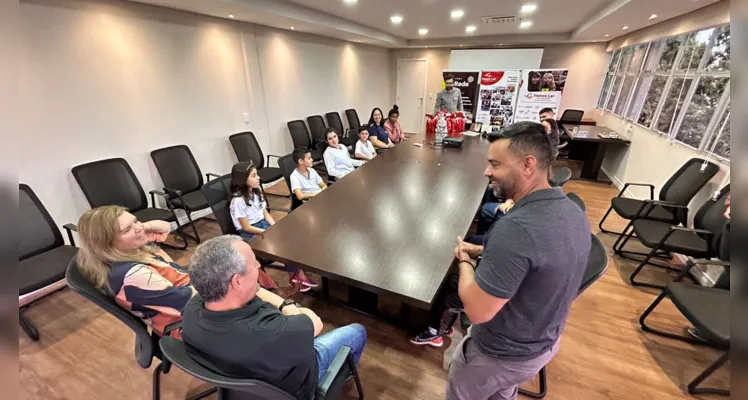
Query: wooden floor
[[86, 354]]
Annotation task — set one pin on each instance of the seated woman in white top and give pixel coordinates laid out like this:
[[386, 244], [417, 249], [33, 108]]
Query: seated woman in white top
[[251, 217], [364, 148], [337, 160]]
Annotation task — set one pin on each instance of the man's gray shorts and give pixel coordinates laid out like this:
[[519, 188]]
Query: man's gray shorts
[[477, 376]]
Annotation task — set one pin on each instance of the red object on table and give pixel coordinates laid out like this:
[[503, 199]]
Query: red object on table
[[455, 122]]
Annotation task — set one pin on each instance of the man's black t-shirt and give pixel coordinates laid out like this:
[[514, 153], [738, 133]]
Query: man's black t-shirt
[[254, 342]]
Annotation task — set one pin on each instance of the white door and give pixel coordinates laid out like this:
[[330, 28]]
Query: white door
[[411, 94]]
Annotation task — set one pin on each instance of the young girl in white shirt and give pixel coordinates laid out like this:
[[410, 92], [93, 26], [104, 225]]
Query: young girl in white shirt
[[337, 160], [251, 217], [364, 148]]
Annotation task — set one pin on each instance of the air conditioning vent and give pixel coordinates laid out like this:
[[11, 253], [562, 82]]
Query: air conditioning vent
[[502, 19]]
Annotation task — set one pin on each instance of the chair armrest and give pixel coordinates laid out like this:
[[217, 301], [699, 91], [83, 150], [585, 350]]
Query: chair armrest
[[172, 327], [651, 188], [153, 197], [684, 229], [173, 192], [336, 368], [211, 175], [666, 204], [70, 228], [696, 261]]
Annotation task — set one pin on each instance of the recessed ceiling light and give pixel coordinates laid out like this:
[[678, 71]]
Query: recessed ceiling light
[[359, 41], [625, 27], [396, 19], [653, 16], [470, 28], [528, 8], [423, 31], [501, 44], [606, 35], [293, 29], [461, 45], [525, 24], [457, 14], [231, 16], [350, 2]]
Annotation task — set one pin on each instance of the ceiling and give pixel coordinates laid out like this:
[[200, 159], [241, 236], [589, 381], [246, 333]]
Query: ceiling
[[368, 21]]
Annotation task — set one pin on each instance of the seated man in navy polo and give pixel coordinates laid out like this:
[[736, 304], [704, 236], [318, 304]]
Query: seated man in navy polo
[[237, 329]]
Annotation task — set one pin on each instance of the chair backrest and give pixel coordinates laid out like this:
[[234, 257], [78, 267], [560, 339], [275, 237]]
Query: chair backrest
[[711, 217], [334, 121], [217, 192], [597, 263], [561, 177], [145, 344], [110, 182], [287, 165], [178, 169], [352, 116], [299, 134], [572, 116], [176, 352], [247, 149], [577, 200], [350, 136], [317, 129], [687, 181], [39, 233]]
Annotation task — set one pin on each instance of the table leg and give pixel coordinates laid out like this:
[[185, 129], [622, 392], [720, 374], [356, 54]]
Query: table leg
[[363, 300], [325, 288]]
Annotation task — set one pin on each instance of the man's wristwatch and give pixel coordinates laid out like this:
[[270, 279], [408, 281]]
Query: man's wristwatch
[[286, 302]]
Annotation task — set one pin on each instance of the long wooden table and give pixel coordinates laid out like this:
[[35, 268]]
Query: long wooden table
[[389, 227]]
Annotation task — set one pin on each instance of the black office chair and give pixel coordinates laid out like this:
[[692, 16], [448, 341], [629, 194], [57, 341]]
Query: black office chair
[[560, 177], [182, 180], [42, 253], [352, 116], [349, 138], [146, 341], [577, 200], [329, 388], [247, 149], [571, 117], [112, 182], [317, 130], [597, 264], [707, 309], [301, 139], [701, 241], [288, 165], [217, 193], [334, 121], [679, 190]]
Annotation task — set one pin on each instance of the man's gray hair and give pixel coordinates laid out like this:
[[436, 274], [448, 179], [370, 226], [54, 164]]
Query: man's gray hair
[[213, 264]]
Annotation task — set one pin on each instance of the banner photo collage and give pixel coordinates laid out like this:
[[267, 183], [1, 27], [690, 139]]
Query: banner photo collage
[[498, 90]]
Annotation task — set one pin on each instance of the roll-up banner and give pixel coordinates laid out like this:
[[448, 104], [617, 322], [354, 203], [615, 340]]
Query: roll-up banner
[[540, 88], [497, 97], [467, 82]]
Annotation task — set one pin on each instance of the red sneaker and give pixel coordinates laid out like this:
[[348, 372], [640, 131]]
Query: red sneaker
[[429, 339], [450, 332], [304, 282]]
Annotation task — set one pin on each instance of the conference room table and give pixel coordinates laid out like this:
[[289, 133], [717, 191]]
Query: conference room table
[[589, 145], [389, 227]]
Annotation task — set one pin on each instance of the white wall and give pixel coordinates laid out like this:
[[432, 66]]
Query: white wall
[[103, 79]]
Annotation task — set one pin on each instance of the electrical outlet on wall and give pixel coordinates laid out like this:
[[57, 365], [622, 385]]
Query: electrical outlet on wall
[[246, 117]]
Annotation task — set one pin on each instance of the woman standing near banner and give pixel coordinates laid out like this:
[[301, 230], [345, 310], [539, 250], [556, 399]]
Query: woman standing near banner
[[394, 131]]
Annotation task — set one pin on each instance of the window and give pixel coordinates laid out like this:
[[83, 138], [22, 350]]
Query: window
[[677, 86]]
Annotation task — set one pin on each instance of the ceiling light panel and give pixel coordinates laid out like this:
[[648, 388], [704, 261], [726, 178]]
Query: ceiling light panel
[[457, 14], [525, 24], [528, 8], [396, 19]]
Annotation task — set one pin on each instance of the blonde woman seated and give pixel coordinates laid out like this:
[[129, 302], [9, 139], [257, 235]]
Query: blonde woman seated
[[118, 256]]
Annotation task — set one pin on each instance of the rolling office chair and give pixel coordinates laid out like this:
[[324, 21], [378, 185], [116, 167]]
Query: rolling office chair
[[146, 341], [334, 121], [182, 181], [560, 177], [597, 264], [288, 165], [352, 116], [679, 190], [330, 387], [43, 255], [317, 128], [701, 241], [301, 139], [571, 117], [217, 193], [707, 309], [112, 182], [577, 200], [247, 149]]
